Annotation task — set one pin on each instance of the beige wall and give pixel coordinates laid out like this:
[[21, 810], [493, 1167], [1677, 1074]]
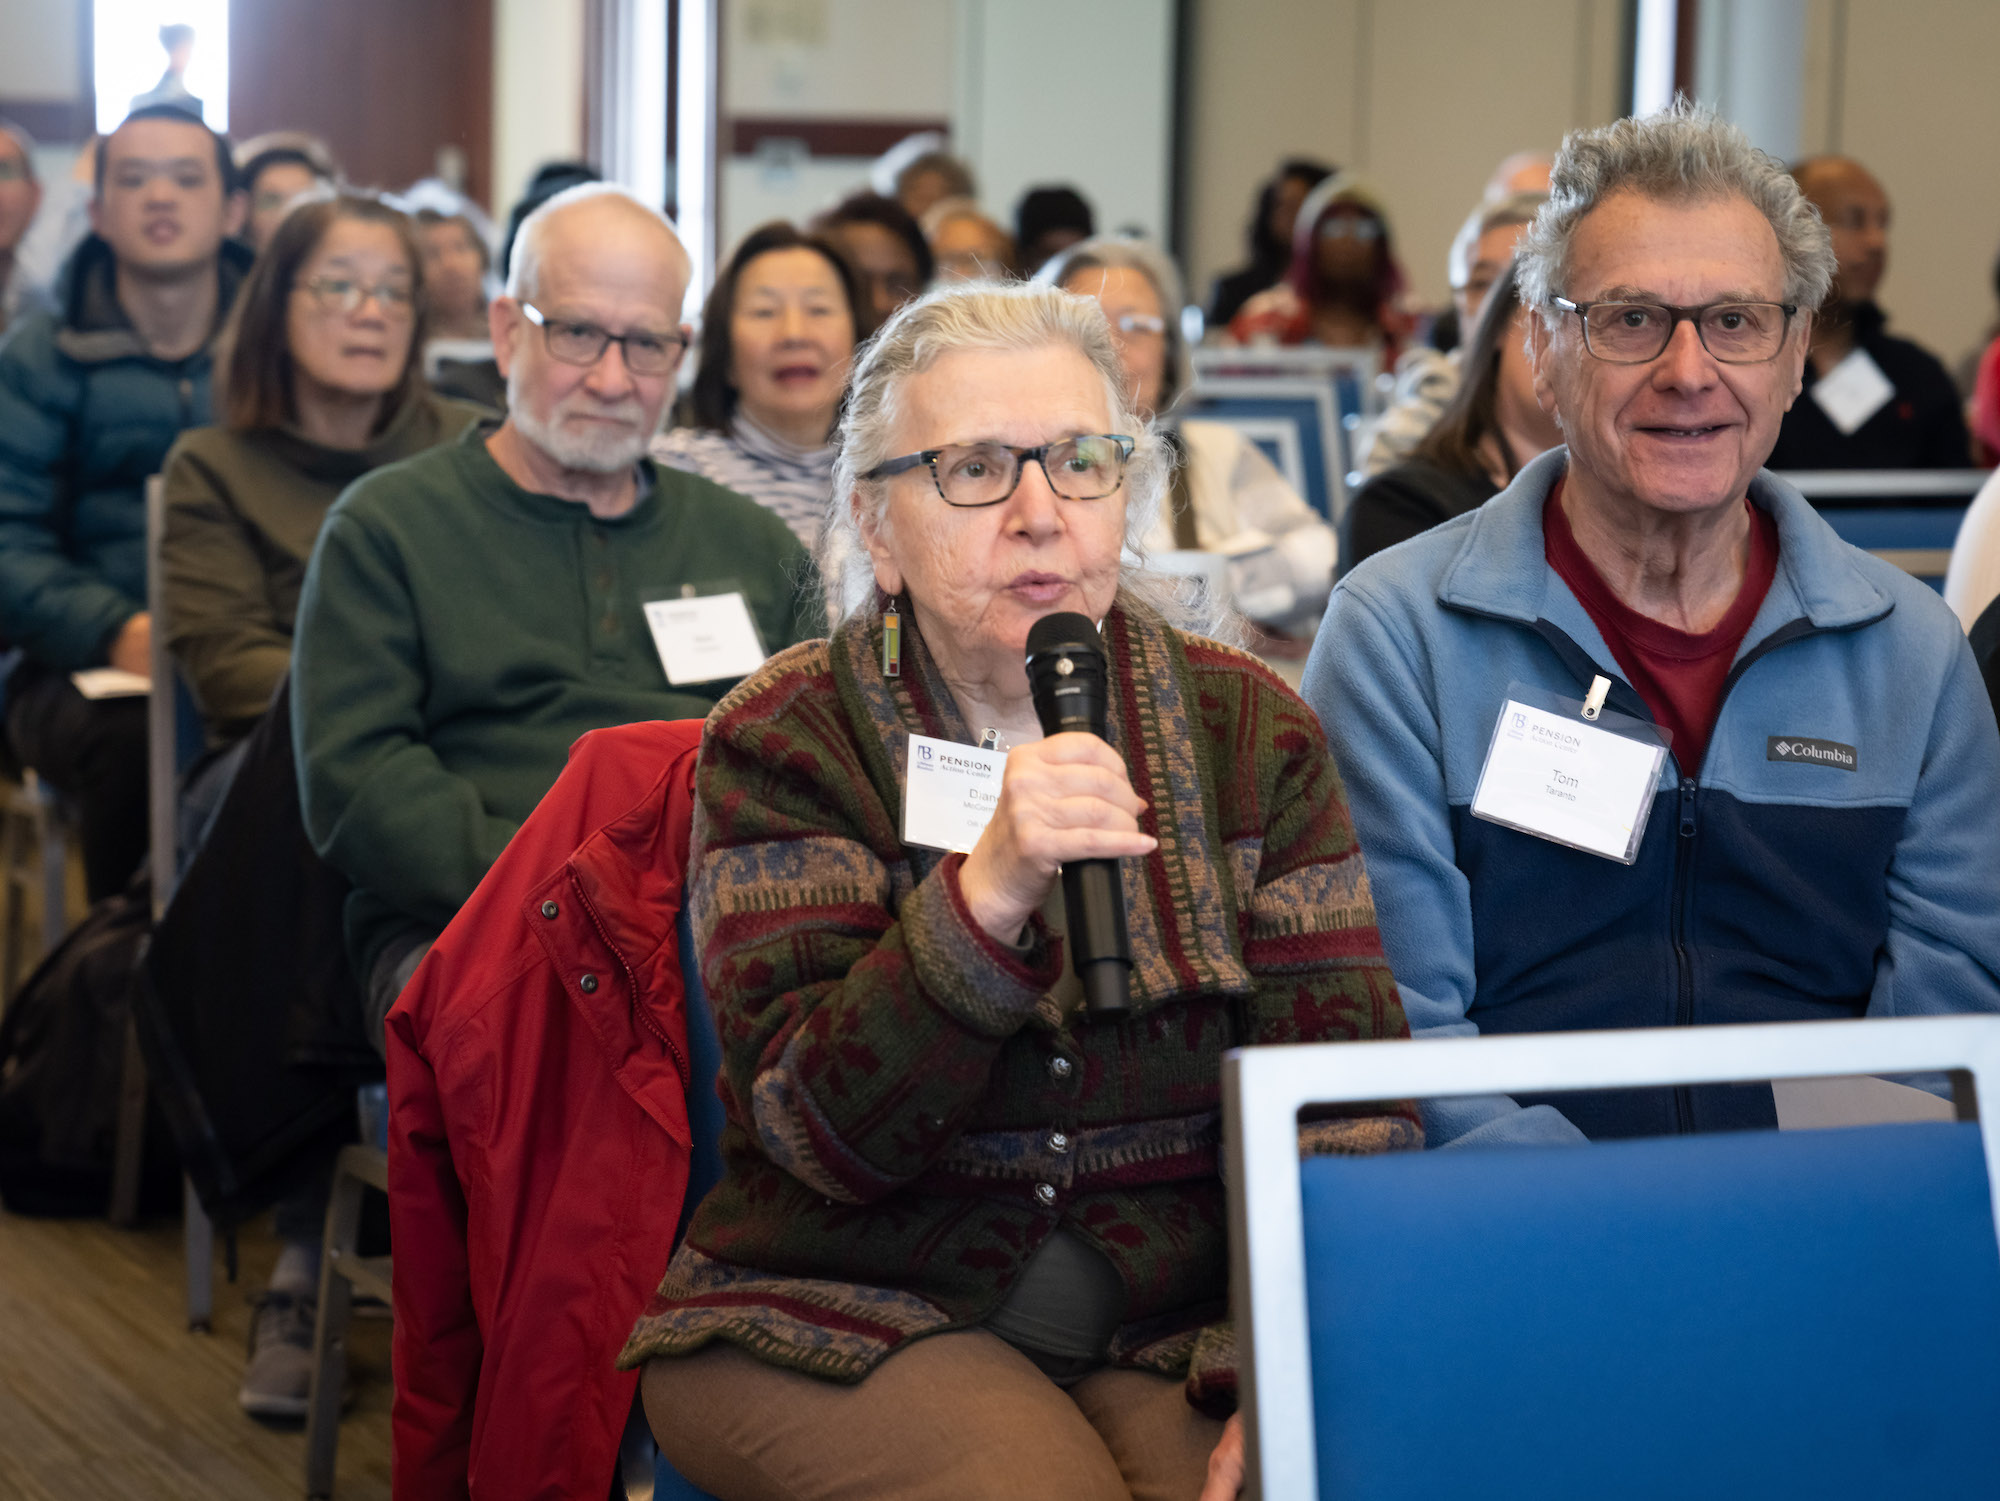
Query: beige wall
[[537, 90], [874, 59], [1421, 99], [39, 53], [1910, 91]]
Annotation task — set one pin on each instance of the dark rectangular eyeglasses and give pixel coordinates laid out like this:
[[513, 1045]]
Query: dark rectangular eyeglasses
[[984, 474], [1632, 333], [584, 344]]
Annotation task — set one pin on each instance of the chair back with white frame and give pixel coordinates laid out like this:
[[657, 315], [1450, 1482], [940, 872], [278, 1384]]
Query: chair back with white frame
[[1294, 423], [1909, 517], [169, 711], [1793, 1313]]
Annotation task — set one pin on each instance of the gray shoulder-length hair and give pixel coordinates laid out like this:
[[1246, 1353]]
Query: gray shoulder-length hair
[[1685, 153], [1152, 263], [995, 316]]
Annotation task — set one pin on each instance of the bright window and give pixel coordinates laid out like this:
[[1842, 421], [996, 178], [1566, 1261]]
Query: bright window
[[131, 60]]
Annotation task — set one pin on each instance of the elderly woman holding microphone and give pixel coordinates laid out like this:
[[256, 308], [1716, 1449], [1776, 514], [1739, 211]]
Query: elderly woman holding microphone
[[969, 1239]]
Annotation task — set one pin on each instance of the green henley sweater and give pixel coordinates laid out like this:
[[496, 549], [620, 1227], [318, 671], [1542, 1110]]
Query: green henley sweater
[[457, 633]]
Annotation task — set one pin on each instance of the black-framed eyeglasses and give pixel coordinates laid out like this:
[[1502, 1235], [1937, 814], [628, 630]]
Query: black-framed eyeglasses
[[1632, 333], [984, 474], [344, 294], [584, 344]]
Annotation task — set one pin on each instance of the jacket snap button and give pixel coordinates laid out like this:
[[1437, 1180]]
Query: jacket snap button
[[1046, 1192], [1059, 1068], [550, 909], [1058, 1141], [588, 984]]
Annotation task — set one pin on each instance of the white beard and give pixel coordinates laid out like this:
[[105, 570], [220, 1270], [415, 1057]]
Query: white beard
[[593, 451]]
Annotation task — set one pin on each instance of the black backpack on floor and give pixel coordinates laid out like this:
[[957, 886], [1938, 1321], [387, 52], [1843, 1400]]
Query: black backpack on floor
[[62, 1062]]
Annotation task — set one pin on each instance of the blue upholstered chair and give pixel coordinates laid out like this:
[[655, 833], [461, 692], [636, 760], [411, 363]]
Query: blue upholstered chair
[[1810, 1313]]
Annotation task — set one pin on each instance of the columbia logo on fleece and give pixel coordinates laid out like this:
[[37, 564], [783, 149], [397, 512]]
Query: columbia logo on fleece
[[1818, 752]]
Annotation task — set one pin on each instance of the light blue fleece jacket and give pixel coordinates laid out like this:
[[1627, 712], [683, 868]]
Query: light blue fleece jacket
[[1767, 887]]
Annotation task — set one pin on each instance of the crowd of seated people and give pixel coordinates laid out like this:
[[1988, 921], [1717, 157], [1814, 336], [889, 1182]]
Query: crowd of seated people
[[1226, 498], [1428, 375], [909, 434], [1491, 426], [1344, 285]]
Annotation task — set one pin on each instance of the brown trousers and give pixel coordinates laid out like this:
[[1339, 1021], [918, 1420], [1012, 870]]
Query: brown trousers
[[956, 1417]]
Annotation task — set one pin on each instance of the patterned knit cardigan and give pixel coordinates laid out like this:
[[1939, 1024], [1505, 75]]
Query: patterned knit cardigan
[[908, 1113]]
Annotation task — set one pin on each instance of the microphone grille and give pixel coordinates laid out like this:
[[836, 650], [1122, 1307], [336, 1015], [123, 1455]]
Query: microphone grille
[[1069, 633]]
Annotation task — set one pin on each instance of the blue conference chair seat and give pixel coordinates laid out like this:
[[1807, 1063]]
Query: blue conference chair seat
[[1807, 1313], [1812, 1314]]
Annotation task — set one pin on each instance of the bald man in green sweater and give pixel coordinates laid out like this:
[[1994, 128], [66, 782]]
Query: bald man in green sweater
[[470, 612]]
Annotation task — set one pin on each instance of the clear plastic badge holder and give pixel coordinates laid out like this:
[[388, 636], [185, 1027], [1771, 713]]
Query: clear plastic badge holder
[[1589, 713]]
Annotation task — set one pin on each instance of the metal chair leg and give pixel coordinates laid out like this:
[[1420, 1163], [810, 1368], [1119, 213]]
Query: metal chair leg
[[198, 1243], [129, 1149], [17, 828], [53, 832], [340, 1266]]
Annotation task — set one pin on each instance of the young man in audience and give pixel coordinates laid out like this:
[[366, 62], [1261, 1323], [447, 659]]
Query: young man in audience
[[1816, 838], [92, 395], [1872, 401], [20, 196], [470, 612]]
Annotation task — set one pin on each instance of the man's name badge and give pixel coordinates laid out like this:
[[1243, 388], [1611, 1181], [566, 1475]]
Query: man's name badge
[[701, 640], [949, 793], [1853, 391], [1552, 774]]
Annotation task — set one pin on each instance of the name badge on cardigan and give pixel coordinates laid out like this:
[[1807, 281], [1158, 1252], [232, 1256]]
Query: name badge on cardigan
[[701, 640], [1556, 769], [950, 792]]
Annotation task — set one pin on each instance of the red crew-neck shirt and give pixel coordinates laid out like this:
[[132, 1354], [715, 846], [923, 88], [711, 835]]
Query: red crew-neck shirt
[[1679, 675]]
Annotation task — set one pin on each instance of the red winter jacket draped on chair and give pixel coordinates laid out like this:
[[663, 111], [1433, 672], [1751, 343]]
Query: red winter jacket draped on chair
[[538, 1143]]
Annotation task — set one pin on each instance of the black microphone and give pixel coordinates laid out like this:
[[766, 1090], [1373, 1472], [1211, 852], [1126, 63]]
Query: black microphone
[[1066, 676]]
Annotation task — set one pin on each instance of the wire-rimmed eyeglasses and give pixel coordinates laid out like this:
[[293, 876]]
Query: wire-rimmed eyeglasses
[[344, 294]]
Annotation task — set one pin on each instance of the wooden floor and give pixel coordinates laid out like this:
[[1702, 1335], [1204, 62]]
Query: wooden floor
[[105, 1393]]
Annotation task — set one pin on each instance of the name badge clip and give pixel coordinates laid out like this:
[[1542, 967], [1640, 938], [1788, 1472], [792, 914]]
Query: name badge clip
[[1568, 771]]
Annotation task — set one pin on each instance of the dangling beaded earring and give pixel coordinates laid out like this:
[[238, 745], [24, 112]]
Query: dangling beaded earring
[[892, 641]]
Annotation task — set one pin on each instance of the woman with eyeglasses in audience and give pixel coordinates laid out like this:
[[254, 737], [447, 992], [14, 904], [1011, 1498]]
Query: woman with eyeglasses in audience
[[969, 1236], [320, 383], [1492, 426], [1225, 496], [777, 338], [1344, 282]]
